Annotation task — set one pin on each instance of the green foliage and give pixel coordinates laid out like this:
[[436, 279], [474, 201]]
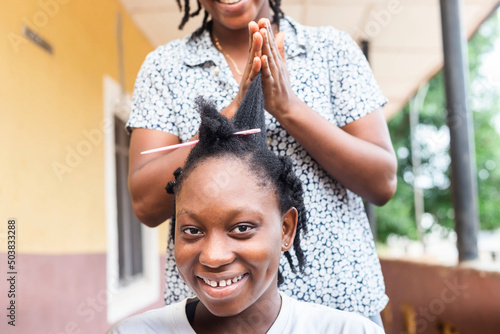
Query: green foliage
[[398, 216]]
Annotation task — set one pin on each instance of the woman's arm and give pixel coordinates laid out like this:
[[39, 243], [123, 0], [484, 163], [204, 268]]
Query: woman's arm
[[359, 155], [150, 173]]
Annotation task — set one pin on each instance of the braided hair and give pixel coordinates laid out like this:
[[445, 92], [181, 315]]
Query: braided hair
[[275, 6], [217, 140]]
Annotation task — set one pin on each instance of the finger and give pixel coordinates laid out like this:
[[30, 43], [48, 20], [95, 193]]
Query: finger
[[257, 45], [266, 46], [266, 71], [269, 29], [267, 49], [255, 51], [262, 23], [256, 67], [273, 42], [265, 24], [252, 29]]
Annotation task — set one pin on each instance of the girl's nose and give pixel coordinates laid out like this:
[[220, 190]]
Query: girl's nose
[[216, 252]]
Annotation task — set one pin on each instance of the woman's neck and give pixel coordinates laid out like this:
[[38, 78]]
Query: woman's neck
[[234, 45], [231, 39]]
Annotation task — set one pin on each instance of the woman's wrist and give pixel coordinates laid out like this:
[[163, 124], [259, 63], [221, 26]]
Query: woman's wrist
[[230, 110], [286, 113]]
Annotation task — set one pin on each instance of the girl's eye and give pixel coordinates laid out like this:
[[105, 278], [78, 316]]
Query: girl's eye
[[242, 228], [191, 231]]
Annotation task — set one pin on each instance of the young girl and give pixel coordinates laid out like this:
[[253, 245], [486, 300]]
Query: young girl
[[237, 208]]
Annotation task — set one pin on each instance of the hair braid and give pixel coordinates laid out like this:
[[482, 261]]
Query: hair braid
[[294, 197], [206, 25], [186, 16], [278, 13], [193, 14]]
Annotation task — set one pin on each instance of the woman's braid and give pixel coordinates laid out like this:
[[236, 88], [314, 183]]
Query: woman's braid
[[293, 196]]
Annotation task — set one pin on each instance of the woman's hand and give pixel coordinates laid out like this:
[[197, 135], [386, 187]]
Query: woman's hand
[[278, 93], [252, 68]]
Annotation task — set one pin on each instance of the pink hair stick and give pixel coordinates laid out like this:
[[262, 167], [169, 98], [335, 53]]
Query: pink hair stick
[[247, 132], [194, 142]]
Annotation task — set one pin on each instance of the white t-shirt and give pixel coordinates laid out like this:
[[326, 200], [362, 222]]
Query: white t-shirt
[[294, 317]]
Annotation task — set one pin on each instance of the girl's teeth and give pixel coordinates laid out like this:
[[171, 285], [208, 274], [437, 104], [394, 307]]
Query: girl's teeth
[[228, 2], [222, 283]]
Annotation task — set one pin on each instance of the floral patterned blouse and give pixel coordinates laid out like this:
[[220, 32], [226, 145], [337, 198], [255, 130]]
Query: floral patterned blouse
[[330, 74]]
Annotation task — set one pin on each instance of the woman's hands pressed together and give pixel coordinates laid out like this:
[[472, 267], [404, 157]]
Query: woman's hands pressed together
[[266, 55]]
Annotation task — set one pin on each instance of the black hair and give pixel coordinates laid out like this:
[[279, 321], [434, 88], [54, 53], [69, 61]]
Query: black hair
[[275, 6], [218, 141]]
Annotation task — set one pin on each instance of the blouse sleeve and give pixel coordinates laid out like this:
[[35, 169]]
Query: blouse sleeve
[[152, 101], [355, 93]]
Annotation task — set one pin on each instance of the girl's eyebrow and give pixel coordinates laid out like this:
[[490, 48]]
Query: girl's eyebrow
[[185, 212], [229, 213]]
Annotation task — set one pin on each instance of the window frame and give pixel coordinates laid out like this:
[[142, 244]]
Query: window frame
[[143, 290]]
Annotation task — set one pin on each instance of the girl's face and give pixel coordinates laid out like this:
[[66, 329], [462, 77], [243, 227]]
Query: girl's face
[[236, 14], [229, 236]]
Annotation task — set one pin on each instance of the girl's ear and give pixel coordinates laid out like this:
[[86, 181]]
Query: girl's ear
[[289, 226]]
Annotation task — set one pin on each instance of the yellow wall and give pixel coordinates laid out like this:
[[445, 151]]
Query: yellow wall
[[47, 102]]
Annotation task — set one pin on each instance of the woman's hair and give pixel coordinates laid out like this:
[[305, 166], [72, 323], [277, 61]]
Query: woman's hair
[[217, 140], [275, 6]]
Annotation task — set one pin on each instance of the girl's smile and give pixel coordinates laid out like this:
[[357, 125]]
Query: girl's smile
[[223, 289], [229, 2], [222, 283]]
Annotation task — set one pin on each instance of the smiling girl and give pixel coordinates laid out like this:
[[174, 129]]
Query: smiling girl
[[237, 208]]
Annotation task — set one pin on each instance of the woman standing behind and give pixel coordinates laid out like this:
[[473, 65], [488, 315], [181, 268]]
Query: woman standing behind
[[323, 109]]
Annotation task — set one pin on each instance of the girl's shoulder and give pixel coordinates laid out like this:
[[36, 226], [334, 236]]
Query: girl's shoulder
[[167, 319], [309, 317]]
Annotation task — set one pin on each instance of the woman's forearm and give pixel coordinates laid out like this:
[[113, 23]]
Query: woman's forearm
[[152, 205], [360, 155]]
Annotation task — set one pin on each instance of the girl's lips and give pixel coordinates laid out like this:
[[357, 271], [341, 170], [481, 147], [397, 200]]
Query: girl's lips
[[220, 289]]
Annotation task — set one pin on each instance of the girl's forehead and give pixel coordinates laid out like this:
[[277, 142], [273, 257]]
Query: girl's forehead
[[221, 169], [214, 178]]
